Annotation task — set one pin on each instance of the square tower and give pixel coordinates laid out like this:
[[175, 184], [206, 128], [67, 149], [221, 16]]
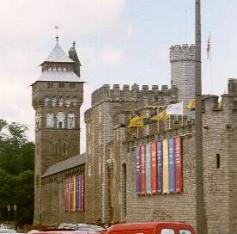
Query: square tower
[[56, 98]]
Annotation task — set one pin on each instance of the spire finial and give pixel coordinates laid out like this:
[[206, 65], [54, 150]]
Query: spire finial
[[74, 44], [57, 37]]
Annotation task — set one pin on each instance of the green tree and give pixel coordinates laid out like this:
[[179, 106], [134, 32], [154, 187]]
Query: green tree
[[16, 173]]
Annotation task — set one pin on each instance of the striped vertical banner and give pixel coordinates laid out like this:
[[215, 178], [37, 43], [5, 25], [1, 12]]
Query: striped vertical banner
[[143, 169], [65, 196], [82, 194], [148, 168], [74, 192], [165, 167], [79, 192], [153, 168], [159, 167], [69, 193], [178, 164], [138, 174], [171, 166], [76, 196]]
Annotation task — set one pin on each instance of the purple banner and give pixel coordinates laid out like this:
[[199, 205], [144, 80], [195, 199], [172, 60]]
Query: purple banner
[[138, 174], [159, 167], [171, 166]]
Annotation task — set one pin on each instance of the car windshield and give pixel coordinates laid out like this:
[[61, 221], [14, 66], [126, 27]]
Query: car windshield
[[80, 227]]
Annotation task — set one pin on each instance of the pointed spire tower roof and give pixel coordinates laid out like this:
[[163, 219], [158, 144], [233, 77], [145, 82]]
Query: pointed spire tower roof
[[58, 55], [58, 67]]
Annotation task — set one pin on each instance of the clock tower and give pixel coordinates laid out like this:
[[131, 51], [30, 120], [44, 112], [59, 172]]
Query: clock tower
[[57, 96]]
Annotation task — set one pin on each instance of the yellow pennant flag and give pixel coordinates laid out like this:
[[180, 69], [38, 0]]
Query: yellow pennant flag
[[137, 121], [162, 116], [191, 105]]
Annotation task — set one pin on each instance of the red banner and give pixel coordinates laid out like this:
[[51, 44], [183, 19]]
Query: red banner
[[153, 168], [143, 169], [178, 163]]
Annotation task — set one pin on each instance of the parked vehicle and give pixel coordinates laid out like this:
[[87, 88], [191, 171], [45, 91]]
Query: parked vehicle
[[72, 228], [81, 227], [151, 228]]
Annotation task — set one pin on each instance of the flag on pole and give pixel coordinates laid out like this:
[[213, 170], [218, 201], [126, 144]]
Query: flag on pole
[[161, 116], [209, 46], [137, 121], [191, 105], [175, 109]]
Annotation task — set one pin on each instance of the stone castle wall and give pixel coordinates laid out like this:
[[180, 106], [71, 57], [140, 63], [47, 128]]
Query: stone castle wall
[[52, 201]]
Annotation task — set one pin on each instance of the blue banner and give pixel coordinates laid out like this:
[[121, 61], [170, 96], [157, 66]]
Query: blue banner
[[171, 166]]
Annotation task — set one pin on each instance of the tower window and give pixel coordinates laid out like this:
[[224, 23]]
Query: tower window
[[50, 84], [72, 85], [54, 101], [60, 125], [60, 120], [218, 161], [61, 85], [71, 120], [49, 120]]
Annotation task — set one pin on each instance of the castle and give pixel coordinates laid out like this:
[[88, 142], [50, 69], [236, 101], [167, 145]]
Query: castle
[[132, 174]]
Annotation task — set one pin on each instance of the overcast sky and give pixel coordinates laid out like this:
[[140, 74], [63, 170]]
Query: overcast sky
[[118, 41]]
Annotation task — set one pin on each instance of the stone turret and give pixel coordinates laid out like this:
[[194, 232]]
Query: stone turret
[[182, 60]]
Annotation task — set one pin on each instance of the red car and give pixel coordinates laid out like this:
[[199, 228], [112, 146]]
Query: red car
[[151, 228]]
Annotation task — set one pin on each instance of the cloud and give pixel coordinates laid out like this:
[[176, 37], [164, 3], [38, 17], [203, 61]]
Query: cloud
[[28, 26], [112, 56]]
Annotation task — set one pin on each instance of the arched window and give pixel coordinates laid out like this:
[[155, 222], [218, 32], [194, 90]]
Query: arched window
[[49, 120], [60, 120], [54, 101], [46, 101], [60, 101], [68, 101], [37, 120], [71, 120]]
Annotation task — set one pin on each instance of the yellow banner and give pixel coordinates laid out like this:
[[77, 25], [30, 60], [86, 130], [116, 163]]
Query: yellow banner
[[137, 121], [162, 116]]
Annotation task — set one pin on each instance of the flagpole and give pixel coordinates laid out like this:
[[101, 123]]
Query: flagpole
[[182, 121], [169, 122], [201, 222]]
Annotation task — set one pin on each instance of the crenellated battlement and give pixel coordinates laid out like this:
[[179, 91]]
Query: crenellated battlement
[[130, 93], [182, 53]]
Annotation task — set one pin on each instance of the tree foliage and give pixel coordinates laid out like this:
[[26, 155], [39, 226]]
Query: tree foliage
[[16, 173]]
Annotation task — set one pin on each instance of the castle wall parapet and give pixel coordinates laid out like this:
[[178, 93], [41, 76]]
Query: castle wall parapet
[[182, 53], [127, 93]]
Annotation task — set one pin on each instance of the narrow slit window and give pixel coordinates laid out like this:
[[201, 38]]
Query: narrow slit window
[[218, 161]]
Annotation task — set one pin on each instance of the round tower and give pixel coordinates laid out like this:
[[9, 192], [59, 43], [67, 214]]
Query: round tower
[[182, 60]]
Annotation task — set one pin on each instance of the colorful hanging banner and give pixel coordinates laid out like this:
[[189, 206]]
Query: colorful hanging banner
[[148, 168], [165, 167], [171, 166], [178, 164], [153, 168], [74, 193], [138, 167], [82, 193], [159, 167], [143, 169]]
